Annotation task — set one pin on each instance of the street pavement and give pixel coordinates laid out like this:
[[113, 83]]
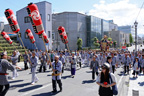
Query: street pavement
[[81, 85], [136, 85]]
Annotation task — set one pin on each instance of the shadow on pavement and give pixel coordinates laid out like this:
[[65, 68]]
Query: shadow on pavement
[[30, 88], [88, 71], [49, 75], [88, 81], [65, 77], [141, 83], [14, 81], [120, 74], [131, 78], [21, 85], [46, 94]]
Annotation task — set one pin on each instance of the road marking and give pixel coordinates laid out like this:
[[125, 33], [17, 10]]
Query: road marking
[[119, 81], [26, 94]]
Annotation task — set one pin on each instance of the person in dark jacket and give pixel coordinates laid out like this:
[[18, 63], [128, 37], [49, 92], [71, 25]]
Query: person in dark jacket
[[103, 80]]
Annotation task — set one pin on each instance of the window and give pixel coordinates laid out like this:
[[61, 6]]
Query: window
[[41, 16], [53, 36], [48, 34], [48, 16], [26, 37], [27, 19]]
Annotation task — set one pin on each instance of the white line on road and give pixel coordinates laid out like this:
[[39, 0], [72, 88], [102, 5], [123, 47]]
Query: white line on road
[[119, 81], [26, 94]]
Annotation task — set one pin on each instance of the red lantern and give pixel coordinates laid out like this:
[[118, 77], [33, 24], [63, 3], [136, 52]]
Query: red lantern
[[6, 37], [35, 17], [63, 34], [30, 35], [45, 37], [12, 20]]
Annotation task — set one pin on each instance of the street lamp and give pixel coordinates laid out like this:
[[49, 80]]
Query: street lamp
[[136, 23]]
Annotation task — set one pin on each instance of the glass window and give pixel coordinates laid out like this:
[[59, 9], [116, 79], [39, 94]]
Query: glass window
[[48, 34], [27, 19], [53, 36], [41, 16], [26, 37], [48, 16]]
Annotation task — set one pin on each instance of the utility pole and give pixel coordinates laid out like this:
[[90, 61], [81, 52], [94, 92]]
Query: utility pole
[[136, 23]]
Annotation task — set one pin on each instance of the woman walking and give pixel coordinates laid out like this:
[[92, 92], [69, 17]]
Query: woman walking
[[106, 80], [136, 67]]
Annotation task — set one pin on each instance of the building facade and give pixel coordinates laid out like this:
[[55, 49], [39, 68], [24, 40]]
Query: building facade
[[24, 23], [126, 29], [75, 26], [119, 36], [1, 26], [7, 28], [94, 29]]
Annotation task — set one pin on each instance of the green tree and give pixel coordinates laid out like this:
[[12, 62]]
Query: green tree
[[115, 43], [79, 43], [110, 40], [131, 38], [95, 42]]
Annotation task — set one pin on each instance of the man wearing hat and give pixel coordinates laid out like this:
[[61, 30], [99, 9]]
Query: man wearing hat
[[34, 63], [73, 64], [56, 76], [4, 66]]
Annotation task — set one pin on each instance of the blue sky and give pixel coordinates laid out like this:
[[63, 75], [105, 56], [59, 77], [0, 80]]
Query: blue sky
[[123, 12], [59, 5]]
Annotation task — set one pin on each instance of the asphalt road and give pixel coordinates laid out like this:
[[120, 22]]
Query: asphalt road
[[81, 85]]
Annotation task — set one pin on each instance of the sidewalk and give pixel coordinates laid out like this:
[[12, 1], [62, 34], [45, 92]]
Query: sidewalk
[[136, 85]]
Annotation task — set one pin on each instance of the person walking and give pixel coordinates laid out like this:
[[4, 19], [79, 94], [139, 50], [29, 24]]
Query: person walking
[[136, 67], [106, 80], [56, 76], [34, 63], [73, 64], [4, 66], [94, 66]]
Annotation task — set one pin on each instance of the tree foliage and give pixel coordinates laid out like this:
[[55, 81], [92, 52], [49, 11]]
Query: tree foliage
[[95, 42], [115, 43], [131, 38], [110, 40], [79, 43]]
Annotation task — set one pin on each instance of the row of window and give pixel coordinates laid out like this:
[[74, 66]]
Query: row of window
[[27, 19]]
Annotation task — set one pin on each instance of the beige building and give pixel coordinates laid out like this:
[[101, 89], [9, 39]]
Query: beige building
[[120, 37]]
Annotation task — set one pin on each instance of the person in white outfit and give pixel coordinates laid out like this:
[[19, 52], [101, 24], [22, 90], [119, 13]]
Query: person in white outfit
[[34, 63]]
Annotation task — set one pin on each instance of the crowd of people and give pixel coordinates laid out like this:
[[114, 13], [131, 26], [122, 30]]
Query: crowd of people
[[102, 64]]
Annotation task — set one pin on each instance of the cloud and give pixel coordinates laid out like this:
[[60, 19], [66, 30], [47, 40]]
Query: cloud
[[3, 19], [122, 12], [102, 1]]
